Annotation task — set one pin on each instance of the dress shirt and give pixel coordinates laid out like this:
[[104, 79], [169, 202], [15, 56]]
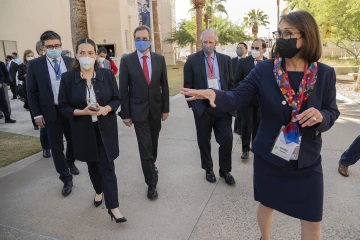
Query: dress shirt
[[215, 66], [55, 84], [18, 61], [148, 61], [92, 97], [255, 62]]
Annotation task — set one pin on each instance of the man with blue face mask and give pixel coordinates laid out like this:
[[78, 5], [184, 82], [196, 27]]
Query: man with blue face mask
[[43, 81], [210, 69], [144, 92]]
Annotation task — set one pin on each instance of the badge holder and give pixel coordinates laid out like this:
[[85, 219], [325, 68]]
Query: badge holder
[[213, 83], [286, 151]]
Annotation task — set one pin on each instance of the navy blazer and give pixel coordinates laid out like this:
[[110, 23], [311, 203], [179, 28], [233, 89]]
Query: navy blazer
[[274, 114], [38, 86], [72, 95], [5, 72], [195, 77]]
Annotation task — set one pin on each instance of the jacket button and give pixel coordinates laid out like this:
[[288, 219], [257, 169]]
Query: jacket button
[[283, 102]]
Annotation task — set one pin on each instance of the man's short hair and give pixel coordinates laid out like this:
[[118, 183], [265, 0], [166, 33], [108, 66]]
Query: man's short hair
[[15, 54], [263, 43], [49, 35], [143, 27], [209, 31], [101, 50], [245, 45], [9, 57]]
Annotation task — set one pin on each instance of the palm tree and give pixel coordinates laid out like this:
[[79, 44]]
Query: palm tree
[[254, 19], [184, 35], [78, 21], [212, 7], [198, 6], [278, 11], [156, 27]]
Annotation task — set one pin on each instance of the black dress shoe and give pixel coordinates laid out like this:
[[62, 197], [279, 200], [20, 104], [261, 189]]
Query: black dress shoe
[[97, 203], [229, 179], [210, 176], [152, 193], [1, 115], [9, 120], [67, 189], [245, 155], [117, 220], [73, 169], [46, 153]]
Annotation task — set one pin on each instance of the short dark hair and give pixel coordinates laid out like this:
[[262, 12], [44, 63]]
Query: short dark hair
[[305, 22], [245, 45], [102, 50], [38, 46], [263, 44], [143, 27], [9, 57], [76, 64], [49, 35], [15, 54]]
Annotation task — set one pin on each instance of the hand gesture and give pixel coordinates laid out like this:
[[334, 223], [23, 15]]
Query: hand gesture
[[199, 94], [127, 122]]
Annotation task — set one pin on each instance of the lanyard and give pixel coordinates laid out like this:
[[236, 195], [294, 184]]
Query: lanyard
[[56, 71], [300, 96], [211, 69]]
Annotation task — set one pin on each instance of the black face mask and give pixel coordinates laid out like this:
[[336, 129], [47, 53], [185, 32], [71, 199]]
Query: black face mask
[[287, 48]]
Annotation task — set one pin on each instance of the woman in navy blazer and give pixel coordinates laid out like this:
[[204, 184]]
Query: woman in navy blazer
[[89, 96], [293, 187]]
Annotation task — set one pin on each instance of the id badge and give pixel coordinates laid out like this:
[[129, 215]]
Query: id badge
[[286, 151], [213, 83]]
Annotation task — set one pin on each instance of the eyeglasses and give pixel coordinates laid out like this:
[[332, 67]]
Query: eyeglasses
[[285, 35], [51, 47], [256, 48]]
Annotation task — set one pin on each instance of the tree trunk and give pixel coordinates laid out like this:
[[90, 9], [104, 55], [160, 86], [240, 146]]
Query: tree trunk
[[255, 30], [78, 20], [278, 12], [191, 48], [357, 84], [198, 27], [156, 27], [206, 20]]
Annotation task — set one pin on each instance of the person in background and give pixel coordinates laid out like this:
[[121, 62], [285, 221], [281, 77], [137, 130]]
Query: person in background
[[111, 53], [297, 98], [28, 55], [349, 157], [6, 83], [241, 52], [101, 59], [12, 68], [89, 97], [145, 16], [66, 53], [16, 58], [3, 104]]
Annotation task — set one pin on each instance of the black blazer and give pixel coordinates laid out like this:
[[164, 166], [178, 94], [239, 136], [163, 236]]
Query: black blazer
[[22, 72], [234, 63], [1, 79], [137, 97], [38, 86], [274, 114], [195, 77], [12, 70], [72, 95], [5, 72]]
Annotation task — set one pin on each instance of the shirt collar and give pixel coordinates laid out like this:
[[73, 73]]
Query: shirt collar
[[140, 54], [212, 55], [81, 75], [51, 59]]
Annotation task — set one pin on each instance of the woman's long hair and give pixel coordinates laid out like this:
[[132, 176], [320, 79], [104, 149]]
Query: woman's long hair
[[27, 52]]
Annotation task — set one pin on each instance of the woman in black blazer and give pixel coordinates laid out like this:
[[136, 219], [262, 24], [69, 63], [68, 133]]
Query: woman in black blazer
[[89, 96], [298, 93]]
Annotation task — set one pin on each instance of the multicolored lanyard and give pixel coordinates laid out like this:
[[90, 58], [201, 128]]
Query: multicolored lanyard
[[295, 100]]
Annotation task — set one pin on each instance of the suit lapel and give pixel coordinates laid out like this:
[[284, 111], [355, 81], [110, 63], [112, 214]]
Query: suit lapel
[[153, 66], [201, 62], [46, 73], [220, 63], [138, 67]]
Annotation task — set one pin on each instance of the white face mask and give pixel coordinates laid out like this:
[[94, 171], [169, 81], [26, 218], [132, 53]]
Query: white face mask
[[255, 53], [100, 59], [87, 62], [29, 58]]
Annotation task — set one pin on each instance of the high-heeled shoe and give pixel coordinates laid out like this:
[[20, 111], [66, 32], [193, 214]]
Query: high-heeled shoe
[[98, 203], [117, 220]]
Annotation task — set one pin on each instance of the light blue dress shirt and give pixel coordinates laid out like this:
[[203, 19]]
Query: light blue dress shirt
[[215, 66]]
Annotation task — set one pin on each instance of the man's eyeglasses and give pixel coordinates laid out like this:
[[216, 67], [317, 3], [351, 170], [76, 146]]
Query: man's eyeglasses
[[256, 48], [285, 35], [51, 47]]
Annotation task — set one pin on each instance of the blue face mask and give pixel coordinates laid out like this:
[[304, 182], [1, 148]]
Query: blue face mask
[[142, 45], [53, 53]]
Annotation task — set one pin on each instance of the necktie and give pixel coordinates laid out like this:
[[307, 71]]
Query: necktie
[[146, 70], [57, 69], [210, 70]]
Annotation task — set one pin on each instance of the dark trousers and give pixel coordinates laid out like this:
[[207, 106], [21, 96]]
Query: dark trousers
[[13, 88], [56, 130], [237, 123], [352, 154], [249, 125], [3, 104], [147, 134], [44, 140], [102, 174], [223, 135]]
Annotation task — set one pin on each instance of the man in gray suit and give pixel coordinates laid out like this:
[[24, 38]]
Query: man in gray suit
[[101, 59]]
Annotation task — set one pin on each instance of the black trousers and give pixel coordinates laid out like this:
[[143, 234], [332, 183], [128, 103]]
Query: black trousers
[[102, 174], [56, 130], [249, 125], [3, 104], [13, 88], [352, 154], [44, 139], [223, 135], [237, 123], [147, 134]]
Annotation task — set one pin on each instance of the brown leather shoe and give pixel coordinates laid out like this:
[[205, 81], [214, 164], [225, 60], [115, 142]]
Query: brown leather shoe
[[343, 170]]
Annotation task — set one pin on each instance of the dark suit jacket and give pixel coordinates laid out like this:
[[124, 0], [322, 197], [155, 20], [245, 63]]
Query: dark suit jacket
[[195, 77], [1, 78], [5, 72], [234, 63], [243, 68], [274, 114], [38, 86], [12, 70], [72, 95], [137, 97]]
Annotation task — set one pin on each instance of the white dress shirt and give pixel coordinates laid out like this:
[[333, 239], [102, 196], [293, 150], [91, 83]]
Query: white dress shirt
[[148, 61], [90, 95], [255, 62], [55, 84]]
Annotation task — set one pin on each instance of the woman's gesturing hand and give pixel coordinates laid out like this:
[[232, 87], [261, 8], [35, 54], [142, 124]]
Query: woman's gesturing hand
[[199, 94], [310, 117]]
